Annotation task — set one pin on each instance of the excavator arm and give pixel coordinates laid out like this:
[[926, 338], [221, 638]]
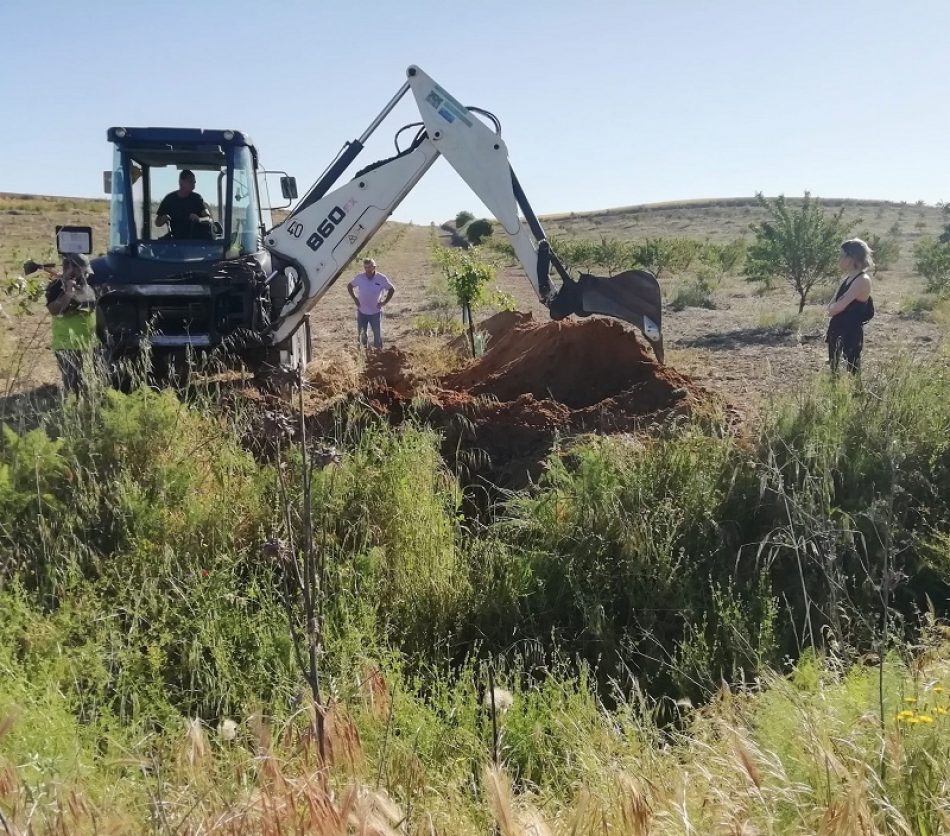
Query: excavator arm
[[329, 226]]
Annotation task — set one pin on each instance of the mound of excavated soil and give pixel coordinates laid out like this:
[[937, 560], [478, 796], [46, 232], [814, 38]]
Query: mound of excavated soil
[[578, 364], [536, 381], [494, 328]]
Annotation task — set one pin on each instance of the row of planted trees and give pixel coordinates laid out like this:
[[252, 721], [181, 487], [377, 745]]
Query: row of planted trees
[[796, 244]]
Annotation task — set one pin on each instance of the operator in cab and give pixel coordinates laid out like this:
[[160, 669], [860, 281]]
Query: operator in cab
[[186, 211]]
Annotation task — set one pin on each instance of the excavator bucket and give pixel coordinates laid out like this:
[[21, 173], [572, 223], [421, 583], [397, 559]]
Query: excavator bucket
[[633, 296]]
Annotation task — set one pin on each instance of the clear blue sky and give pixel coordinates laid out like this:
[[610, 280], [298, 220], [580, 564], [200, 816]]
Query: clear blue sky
[[602, 103]]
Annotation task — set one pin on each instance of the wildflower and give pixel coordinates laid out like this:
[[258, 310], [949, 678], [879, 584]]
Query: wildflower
[[912, 720], [942, 710], [938, 689], [503, 699], [910, 700], [205, 573], [924, 718], [227, 729], [905, 714]]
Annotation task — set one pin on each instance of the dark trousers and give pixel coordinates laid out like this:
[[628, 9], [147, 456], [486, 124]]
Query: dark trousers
[[847, 344], [374, 322]]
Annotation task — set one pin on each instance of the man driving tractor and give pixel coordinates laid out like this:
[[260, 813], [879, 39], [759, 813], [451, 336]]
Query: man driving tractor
[[186, 211]]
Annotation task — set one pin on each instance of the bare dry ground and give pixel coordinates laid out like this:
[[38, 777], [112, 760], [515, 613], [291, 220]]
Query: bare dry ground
[[743, 348]]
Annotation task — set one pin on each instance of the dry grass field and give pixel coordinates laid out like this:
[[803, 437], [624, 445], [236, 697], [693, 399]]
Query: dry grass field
[[749, 344]]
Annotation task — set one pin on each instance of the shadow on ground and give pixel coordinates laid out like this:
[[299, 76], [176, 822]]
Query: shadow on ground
[[739, 338]]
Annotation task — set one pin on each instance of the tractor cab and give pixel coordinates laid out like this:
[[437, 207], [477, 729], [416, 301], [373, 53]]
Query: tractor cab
[[147, 164]]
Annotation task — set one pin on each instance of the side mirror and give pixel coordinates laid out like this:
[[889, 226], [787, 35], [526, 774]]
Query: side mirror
[[288, 188], [107, 182], [74, 239]]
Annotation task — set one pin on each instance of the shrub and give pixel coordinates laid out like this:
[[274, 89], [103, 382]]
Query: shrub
[[463, 218], [697, 293], [660, 255], [478, 231], [624, 536], [724, 258], [932, 262]]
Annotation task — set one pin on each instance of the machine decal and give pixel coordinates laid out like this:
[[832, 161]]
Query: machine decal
[[325, 228], [449, 104]]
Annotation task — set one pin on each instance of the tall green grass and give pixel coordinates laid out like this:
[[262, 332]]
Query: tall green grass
[[611, 602]]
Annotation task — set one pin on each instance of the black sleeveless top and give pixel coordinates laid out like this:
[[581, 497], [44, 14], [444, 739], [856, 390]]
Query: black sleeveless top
[[855, 315]]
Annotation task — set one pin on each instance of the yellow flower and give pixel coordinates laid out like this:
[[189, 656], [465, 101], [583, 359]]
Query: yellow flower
[[912, 720], [924, 718], [942, 710], [938, 689], [905, 713], [910, 700]]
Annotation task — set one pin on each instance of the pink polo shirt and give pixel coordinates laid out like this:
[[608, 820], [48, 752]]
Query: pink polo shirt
[[369, 290]]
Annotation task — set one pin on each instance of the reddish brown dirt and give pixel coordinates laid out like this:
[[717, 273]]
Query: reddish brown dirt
[[389, 367], [500, 414], [578, 364], [494, 328]]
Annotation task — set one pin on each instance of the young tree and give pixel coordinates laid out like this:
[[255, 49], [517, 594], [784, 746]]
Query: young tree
[[609, 254], [463, 218], [468, 278], [797, 245], [932, 261], [660, 255], [723, 258]]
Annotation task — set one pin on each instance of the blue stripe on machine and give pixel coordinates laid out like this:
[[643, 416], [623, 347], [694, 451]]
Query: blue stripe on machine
[[452, 105]]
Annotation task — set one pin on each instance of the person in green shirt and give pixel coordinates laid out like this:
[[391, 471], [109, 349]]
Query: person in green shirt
[[72, 303]]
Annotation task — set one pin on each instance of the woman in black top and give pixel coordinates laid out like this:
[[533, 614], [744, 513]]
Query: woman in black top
[[852, 306]]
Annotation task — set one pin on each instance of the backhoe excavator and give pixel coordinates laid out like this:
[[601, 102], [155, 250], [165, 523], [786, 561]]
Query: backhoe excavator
[[243, 289]]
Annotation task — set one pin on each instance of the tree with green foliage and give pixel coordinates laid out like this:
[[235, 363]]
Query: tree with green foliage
[[468, 278], [798, 245], [932, 262], [574, 255], [661, 255], [610, 254], [478, 231], [723, 258], [463, 218]]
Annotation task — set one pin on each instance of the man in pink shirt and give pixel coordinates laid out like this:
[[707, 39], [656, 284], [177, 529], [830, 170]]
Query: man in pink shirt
[[371, 286]]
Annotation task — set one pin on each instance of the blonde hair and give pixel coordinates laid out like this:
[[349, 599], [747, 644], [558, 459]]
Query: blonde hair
[[859, 252]]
